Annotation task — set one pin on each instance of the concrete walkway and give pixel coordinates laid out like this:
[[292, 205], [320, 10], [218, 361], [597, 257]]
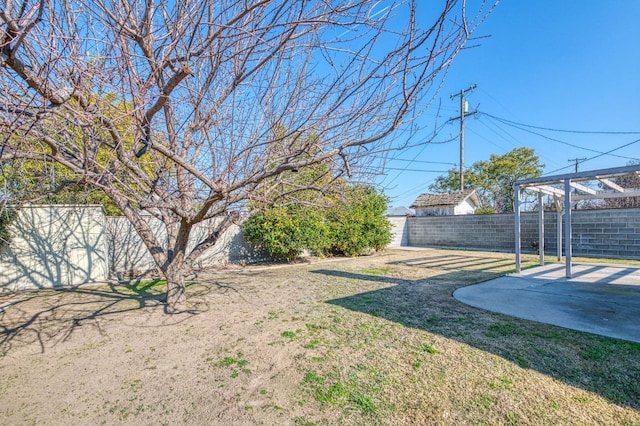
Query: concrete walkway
[[600, 299]]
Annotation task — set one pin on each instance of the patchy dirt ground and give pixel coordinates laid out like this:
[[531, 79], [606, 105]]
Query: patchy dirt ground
[[373, 340]]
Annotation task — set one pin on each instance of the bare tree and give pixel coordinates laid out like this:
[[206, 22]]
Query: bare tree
[[170, 108]]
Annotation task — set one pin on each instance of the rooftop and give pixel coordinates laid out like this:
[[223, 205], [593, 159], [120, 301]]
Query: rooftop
[[445, 199]]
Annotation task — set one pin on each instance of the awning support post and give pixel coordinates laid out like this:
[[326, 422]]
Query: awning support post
[[567, 226], [516, 209], [558, 227], [540, 228]]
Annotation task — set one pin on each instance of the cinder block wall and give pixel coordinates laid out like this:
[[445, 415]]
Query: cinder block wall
[[65, 245], [468, 231], [607, 233], [611, 233]]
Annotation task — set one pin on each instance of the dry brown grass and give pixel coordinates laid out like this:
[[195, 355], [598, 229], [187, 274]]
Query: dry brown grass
[[375, 340]]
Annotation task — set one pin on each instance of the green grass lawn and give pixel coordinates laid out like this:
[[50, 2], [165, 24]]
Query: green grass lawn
[[418, 355]]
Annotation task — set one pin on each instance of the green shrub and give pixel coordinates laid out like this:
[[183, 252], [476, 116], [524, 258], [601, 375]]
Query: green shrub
[[485, 210], [355, 224], [285, 232], [359, 225]]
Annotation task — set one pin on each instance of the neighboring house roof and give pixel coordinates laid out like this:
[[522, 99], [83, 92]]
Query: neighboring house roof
[[446, 199], [399, 211]]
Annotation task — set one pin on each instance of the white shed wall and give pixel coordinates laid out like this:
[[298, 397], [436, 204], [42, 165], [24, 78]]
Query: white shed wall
[[399, 231], [434, 211], [464, 207]]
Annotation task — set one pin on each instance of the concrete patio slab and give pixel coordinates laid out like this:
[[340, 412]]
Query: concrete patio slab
[[600, 299]]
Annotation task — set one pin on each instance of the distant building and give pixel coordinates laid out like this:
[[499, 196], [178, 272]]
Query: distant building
[[399, 211], [447, 204]]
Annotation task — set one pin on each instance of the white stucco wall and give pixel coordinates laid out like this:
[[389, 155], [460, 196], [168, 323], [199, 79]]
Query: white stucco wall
[[128, 253], [54, 246], [58, 245], [126, 250]]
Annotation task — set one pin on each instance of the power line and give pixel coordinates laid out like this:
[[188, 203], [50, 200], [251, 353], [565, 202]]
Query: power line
[[487, 139], [615, 149], [597, 156], [577, 161], [497, 101], [584, 132], [511, 140], [424, 146], [517, 126], [415, 170], [422, 161], [412, 189]]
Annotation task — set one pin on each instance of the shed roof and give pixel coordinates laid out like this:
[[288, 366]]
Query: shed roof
[[399, 211], [446, 199]]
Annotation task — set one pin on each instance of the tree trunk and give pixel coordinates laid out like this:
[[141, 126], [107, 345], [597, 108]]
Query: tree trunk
[[176, 297], [175, 267]]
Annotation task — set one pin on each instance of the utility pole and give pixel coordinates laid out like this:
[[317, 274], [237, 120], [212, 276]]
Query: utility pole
[[463, 114], [577, 161]]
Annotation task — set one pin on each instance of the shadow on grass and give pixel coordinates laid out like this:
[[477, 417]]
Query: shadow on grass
[[604, 366], [51, 316]]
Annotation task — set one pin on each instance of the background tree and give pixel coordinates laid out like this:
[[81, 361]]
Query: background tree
[[494, 178], [44, 181], [49, 183], [451, 181], [171, 108]]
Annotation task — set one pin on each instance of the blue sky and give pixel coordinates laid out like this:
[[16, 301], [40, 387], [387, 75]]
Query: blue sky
[[557, 64]]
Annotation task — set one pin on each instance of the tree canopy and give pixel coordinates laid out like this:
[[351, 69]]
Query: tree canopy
[[494, 178], [174, 108]]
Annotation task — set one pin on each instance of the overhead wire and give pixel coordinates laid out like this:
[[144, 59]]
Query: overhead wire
[[495, 125], [416, 170], [583, 132], [421, 161], [524, 129], [424, 146], [471, 130], [410, 190], [596, 156], [498, 126], [509, 138]]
